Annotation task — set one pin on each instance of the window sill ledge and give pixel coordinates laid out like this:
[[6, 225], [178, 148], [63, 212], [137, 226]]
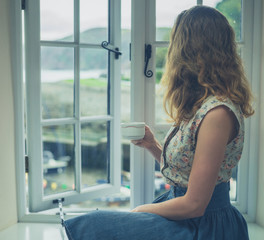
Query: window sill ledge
[[44, 231], [256, 232]]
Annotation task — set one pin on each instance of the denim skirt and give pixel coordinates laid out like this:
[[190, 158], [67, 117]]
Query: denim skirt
[[221, 221]]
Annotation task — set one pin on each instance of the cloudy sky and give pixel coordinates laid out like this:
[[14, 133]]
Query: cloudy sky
[[57, 15]]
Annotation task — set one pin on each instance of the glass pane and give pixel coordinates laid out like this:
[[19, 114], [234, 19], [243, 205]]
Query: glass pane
[[57, 85], [95, 153], [234, 179], [232, 11], [233, 184], [125, 61], [56, 20], [160, 115], [94, 82], [166, 13], [58, 159], [160, 185], [93, 21], [122, 200]]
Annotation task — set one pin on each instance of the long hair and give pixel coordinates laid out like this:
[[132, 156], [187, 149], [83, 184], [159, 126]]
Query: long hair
[[202, 60]]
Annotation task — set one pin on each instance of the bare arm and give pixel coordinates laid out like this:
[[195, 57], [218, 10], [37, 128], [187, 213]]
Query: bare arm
[[215, 132], [150, 143]]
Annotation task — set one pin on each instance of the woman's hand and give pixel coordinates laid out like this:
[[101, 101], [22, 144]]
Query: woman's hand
[[143, 208], [150, 143]]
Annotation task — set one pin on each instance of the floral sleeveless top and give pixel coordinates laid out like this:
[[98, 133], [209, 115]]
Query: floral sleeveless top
[[180, 149]]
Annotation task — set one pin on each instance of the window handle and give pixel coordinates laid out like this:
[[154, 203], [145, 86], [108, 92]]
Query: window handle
[[104, 44], [148, 50]]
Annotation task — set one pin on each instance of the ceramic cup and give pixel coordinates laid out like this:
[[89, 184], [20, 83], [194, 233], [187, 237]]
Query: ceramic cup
[[133, 130]]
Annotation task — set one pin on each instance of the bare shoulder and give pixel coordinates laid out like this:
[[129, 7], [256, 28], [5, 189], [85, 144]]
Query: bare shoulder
[[221, 115], [221, 118]]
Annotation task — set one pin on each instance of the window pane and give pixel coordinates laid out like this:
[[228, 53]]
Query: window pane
[[95, 153], [232, 11], [160, 185], [122, 200], [160, 115], [58, 159], [56, 20], [94, 82], [233, 184], [166, 13], [125, 60], [234, 179], [57, 85], [94, 21]]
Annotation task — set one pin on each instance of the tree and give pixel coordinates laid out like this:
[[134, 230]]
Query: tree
[[232, 11]]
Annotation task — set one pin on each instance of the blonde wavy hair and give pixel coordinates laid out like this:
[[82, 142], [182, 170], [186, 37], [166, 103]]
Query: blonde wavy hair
[[202, 60]]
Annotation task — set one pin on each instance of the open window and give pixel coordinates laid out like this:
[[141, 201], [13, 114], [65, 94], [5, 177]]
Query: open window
[[72, 63]]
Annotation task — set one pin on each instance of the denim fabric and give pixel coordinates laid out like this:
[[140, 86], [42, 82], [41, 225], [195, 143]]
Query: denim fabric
[[221, 221]]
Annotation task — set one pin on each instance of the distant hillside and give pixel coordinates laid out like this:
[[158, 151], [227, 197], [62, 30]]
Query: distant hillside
[[55, 58]]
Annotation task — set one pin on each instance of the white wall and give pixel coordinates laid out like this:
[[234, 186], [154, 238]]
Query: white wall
[[260, 203], [8, 207]]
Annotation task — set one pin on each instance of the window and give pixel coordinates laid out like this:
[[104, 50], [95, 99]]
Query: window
[[74, 147], [73, 95]]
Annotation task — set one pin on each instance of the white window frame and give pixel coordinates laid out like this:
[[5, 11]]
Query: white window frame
[[33, 43], [252, 45], [142, 164]]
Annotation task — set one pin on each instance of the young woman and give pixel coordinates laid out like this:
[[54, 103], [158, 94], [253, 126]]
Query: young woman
[[207, 97]]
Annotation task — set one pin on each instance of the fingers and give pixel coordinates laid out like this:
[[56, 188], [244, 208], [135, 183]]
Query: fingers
[[147, 128], [142, 142], [136, 142]]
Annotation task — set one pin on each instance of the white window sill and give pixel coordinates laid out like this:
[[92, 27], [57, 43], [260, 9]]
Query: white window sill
[[32, 231], [42, 231], [256, 232]]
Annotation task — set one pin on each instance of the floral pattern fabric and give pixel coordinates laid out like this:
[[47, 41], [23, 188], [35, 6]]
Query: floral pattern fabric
[[180, 151]]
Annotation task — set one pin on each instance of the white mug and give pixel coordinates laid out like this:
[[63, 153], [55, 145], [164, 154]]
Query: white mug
[[133, 130]]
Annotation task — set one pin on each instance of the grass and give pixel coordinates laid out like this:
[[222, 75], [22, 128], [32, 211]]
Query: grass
[[90, 82], [94, 82]]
